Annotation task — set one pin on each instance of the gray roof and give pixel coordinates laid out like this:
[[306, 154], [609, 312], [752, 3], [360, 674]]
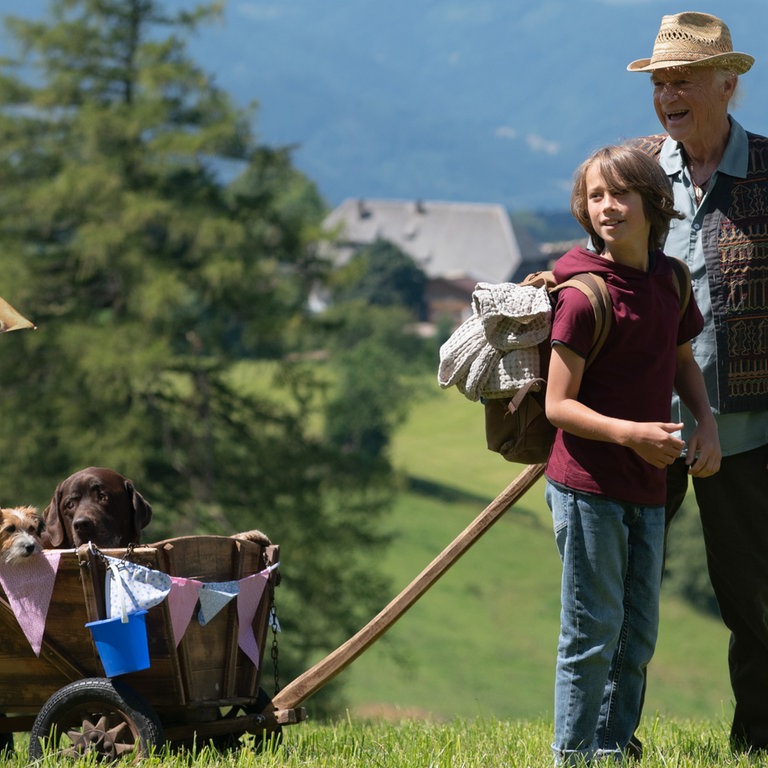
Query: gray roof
[[450, 240]]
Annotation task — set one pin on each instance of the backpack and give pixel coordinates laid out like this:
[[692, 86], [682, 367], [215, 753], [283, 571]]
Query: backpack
[[517, 427]]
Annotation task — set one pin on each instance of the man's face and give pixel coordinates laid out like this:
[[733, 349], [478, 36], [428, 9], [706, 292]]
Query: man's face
[[691, 102]]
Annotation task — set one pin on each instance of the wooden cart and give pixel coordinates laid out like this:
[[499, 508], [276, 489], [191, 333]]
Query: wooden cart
[[204, 688], [201, 688]]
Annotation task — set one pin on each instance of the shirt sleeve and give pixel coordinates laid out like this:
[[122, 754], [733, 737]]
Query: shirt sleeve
[[691, 323], [573, 321]]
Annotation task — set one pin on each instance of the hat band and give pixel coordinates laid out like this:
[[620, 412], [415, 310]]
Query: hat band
[[692, 57]]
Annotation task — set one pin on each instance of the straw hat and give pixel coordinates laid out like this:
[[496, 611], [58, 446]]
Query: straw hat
[[691, 39]]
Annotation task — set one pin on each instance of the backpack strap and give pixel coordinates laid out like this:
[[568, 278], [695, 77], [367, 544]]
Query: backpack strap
[[594, 288], [681, 277]]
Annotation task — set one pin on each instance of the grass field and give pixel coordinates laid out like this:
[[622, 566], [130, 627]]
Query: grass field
[[459, 743], [464, 679], [481, 642], [486, 743]]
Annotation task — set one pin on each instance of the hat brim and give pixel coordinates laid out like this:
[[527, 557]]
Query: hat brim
[[739, 62]]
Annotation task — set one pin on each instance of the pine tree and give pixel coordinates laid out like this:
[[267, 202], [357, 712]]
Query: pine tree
[[165, 256]]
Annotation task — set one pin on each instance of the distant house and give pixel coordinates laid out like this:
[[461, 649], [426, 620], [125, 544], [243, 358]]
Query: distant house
[[456, 244]]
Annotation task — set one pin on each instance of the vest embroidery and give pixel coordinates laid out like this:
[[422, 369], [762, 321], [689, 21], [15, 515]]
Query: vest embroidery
[[735, 240]]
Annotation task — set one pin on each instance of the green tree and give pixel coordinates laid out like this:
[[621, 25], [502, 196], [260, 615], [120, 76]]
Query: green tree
[[380, 370], [166, 257], [383, 275], [376, 297]]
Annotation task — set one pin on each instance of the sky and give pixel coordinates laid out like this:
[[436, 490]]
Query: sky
[[466, 100]]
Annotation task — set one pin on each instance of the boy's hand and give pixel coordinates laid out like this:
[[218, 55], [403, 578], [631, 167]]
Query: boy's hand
[[656, 443]]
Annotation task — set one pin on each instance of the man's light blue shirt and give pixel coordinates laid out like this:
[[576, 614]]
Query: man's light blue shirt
[[738, 431]]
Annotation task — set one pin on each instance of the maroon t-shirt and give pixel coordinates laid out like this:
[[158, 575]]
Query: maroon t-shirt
[[632, 376]]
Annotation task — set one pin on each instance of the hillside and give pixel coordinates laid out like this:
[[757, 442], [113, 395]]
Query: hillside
[[482, 641]]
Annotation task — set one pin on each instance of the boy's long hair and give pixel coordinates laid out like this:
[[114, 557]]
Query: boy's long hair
[[624, 167]]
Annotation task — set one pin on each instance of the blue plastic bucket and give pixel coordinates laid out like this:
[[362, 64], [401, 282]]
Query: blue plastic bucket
[[123, 646]]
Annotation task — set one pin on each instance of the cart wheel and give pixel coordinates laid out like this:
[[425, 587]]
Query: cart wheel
[[96, 715], [264, 738]]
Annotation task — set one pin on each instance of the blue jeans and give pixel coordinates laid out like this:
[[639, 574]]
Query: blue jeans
[[612, 555]]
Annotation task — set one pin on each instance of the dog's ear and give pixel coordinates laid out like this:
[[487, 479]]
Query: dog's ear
[[51, 522], [142, 511]]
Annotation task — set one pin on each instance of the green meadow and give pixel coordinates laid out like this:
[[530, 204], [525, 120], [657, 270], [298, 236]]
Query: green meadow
[[481, 642], [464, 678], [459, 743]]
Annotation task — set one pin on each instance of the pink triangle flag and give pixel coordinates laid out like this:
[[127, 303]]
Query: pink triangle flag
[[28, 585], [248, 599], [181, 601]]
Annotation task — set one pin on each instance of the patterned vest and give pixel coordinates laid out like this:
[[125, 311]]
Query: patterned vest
[[735, 240]]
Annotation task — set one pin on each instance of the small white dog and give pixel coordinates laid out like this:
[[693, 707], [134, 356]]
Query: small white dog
[[20, 532]]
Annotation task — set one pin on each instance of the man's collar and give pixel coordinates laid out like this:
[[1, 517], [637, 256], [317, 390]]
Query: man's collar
[[734, 161]]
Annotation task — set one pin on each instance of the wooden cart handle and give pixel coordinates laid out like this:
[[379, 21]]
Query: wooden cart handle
[[326, 669]]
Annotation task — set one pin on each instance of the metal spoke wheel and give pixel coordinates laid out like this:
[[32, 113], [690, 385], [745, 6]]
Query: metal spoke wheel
[[96, 715]]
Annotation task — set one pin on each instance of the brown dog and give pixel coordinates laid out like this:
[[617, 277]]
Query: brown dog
[[97, 505], [20, 533]]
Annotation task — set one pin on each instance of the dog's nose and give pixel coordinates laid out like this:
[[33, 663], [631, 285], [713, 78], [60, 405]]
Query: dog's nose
[[82, 525], [29, 548]]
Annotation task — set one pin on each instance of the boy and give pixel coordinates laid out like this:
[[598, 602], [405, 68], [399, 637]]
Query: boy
[[606, 471]]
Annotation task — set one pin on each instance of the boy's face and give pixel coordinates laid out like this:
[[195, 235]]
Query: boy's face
[[616, 215]]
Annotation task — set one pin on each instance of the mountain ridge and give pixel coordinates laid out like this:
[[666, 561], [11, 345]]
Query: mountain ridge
[[456, 100]]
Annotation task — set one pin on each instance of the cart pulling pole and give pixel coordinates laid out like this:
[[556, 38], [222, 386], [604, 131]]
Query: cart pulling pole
[[326, 669]]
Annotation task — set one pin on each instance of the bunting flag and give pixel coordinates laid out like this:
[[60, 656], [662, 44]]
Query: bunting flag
[[251, 591], [213, 597], [182, 600], [28, 585], [131, 587], [11, 320]]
